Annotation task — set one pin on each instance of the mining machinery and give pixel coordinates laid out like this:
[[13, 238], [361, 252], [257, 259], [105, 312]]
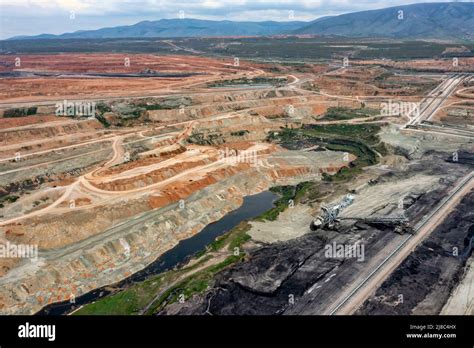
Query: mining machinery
[[400, 223], [330, 213]]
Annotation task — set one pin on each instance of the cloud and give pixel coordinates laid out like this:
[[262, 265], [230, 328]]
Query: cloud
[[31, 17]]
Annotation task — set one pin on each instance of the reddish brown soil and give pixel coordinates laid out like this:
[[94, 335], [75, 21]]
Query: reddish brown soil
[[70, 87], [25, 121], [113, 63]]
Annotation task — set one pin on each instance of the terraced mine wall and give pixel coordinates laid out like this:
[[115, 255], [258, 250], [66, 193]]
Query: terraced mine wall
[[99, 259], [9, 137], [15, 179], [252, 206], [304, 106], [46, 136]]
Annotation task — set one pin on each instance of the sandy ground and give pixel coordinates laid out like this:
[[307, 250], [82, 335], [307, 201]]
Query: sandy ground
[[461, 301], [292, 223], [417, 143]]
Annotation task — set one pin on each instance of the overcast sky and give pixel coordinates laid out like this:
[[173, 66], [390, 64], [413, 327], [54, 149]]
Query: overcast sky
[[31, 17]]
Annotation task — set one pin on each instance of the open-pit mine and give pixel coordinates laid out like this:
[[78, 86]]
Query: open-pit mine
[[198, 183]]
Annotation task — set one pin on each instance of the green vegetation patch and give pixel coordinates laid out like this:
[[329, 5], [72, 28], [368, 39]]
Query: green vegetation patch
[[288, 194], [274, 81], [102, 120], [126, 302], [341, 113], [102, 108], [20, 112], [234, 238], [206, 139], [156, 107], [240, 133], [361, 140], [135, 298], [8, 199], [366, 134], [195, 283]]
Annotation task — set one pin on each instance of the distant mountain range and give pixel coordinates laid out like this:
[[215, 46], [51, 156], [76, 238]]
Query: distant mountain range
[[450, 20], [180, 28]]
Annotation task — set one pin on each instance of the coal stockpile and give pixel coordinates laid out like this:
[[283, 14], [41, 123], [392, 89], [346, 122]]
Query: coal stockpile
[[462, 157], [266, 283], [280, 278]]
